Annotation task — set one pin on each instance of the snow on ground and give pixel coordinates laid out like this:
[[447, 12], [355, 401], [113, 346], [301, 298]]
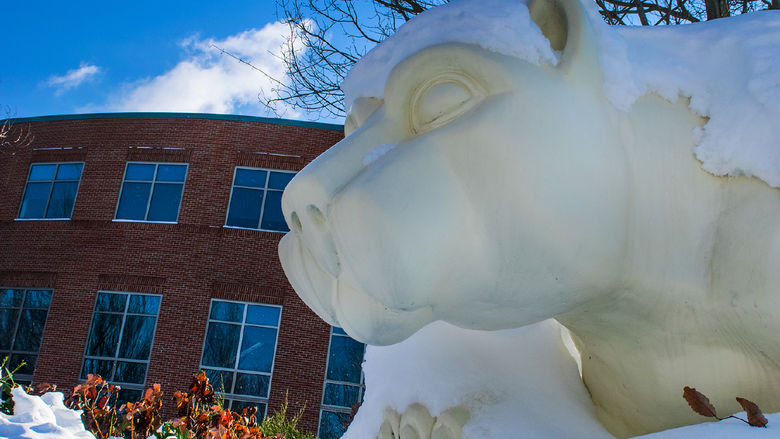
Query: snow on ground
[[42, 417], [728, 68], [726, 429]]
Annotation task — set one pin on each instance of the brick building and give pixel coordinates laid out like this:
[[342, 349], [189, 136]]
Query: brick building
[[144, 247]]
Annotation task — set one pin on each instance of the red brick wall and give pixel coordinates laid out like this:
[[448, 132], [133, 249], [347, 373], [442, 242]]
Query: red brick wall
[[188, 263]]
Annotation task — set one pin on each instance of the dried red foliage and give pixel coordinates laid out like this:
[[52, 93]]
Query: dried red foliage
[[754, 416], [97, 399], [701, 405]]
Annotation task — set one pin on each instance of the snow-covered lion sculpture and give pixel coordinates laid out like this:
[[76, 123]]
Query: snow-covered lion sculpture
[[509, 163]]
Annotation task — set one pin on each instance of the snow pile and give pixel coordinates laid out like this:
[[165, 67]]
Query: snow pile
[[726, 429], [728, 68], [42, 417]]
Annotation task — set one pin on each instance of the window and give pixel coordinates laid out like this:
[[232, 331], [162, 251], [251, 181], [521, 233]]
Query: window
[[239, 350], [343, 384], [51, 190], [256, 199], [22, 318], [120, 340], [151, 192]]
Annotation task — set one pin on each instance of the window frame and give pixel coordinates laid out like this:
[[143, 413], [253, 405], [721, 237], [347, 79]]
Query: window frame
[[362, 386], [151, 191], [51, 189], [115, 359], [11, 351], [235, 370], [264, 190]]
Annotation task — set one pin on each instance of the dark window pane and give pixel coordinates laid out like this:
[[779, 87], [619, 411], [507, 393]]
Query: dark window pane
[[63, 196], [29, 363], [220, 379], [165, 202], [337, 330], [128, 395], [111, 302], [139, 171], [37, 299], [227, 311], [344, 360], [127, 372], [333, 425], [272, 215], [250, 177], [28, 337], [254, 385], [97, 367], [7, 324], [279, 180], [238, 406], [133, 201], [341, 395], [69, 171], [104, 335], [244, 210], [221, 345], [34, 203], [11, 297], [263, 315], [171, 173], [42, 172], [137, 337], [140, 304], [257, 349]]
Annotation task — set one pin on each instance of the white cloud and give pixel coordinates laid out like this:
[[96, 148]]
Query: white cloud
[[209, 81], [73, 78]]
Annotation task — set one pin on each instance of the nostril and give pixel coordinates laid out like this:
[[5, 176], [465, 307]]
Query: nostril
[[316, 215], [296, 222]]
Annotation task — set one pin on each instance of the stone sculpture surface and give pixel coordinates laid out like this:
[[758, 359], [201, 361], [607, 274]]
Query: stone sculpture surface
[[492, 192]]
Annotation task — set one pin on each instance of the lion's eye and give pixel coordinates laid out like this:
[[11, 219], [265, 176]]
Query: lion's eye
[[442, 100]]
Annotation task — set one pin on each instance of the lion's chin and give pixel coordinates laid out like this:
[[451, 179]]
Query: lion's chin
[[339, 302]]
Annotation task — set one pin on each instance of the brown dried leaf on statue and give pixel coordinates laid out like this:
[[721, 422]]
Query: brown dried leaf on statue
[[699, 403], [754, 415]]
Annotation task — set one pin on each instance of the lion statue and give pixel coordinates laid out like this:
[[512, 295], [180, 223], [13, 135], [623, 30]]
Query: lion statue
[[492, 190]]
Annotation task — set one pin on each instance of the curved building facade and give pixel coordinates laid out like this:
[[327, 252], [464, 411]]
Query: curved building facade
[[144, 247]]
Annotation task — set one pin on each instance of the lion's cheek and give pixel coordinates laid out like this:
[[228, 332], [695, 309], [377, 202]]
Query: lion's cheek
[[405, 232]]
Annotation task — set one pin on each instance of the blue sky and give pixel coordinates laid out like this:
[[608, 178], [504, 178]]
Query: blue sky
[[82, 57]]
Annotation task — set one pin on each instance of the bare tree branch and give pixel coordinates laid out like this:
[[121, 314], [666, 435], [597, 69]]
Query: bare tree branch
[[327, 37], [14, 134]]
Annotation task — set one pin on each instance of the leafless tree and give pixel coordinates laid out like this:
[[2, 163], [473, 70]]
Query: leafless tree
[[14, 134], [328, 36]]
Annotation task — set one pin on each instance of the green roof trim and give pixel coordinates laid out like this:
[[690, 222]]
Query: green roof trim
[[233, 117]]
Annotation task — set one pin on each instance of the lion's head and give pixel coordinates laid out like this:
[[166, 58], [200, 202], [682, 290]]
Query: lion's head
[[483, 189]]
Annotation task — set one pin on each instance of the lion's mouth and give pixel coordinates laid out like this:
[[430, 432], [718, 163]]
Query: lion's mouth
[[313, 285], [340, 302]]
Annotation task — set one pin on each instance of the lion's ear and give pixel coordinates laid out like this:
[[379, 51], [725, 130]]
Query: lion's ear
[[566, 24]]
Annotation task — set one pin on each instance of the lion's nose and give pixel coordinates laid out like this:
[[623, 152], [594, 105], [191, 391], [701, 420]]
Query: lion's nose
[[304, 204]]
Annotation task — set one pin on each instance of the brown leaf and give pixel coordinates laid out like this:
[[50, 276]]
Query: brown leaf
[[699, 403], [754, 415]]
